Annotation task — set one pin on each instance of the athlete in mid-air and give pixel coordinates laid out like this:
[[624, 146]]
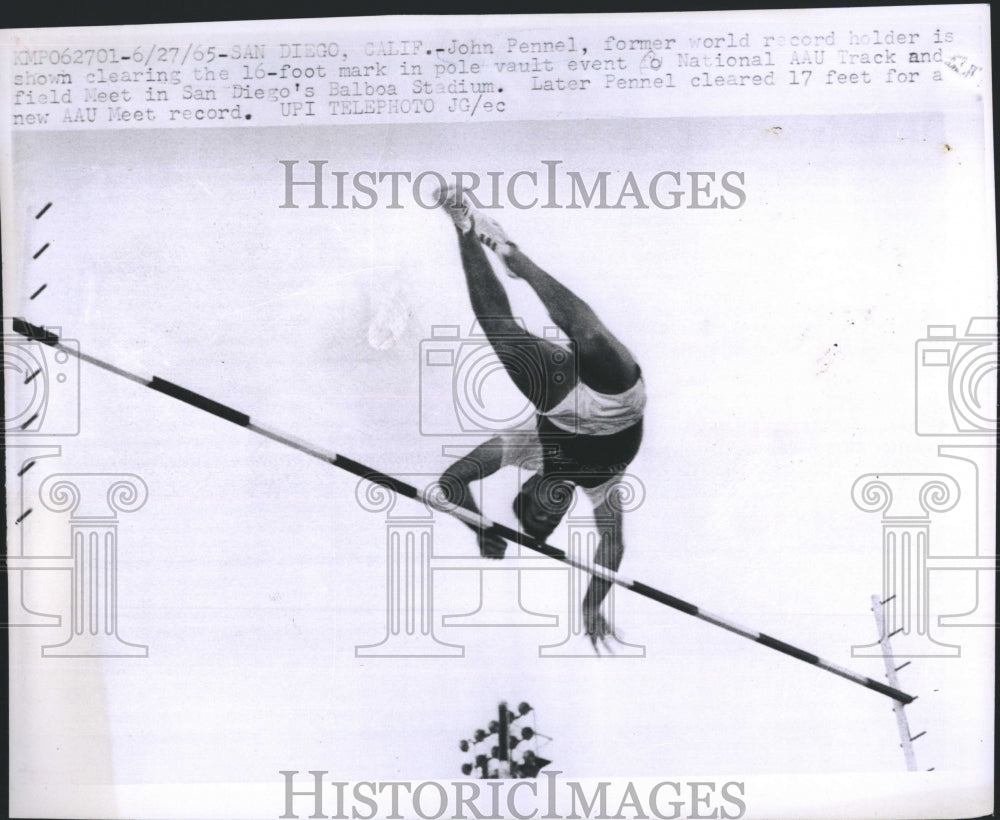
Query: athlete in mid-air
[[589, 403]]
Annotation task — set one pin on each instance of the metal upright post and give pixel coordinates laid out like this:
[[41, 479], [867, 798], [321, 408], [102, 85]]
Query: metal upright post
[[503, 753], [898, 707]]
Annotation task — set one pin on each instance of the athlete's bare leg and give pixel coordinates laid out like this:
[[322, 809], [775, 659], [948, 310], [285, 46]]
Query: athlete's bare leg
[[605, 363], [541, 370]]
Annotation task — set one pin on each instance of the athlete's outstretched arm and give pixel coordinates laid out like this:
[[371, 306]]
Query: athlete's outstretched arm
[[483, 461], [609, 553]]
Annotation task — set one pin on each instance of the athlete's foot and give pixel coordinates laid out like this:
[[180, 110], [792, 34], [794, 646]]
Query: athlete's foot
[[489, 232], [456, 206], [466, 218]]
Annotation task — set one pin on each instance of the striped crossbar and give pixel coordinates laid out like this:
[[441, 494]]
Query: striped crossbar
[[39, 334]]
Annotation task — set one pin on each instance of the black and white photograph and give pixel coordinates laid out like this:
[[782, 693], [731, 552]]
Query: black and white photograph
[[517, 416]]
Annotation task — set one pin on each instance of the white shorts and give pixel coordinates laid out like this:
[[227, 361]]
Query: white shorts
[[585, 410]]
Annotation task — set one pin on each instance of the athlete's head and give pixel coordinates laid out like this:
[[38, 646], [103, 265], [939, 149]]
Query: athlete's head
[[541, 504]]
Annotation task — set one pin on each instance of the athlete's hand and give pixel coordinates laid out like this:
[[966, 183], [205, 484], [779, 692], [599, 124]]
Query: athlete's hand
[[599, 631], [492, 545]]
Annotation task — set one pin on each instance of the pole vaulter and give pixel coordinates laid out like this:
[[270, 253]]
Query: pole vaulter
[[40, 334]]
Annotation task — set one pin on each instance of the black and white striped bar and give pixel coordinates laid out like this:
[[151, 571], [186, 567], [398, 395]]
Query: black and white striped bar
[[43, 336]]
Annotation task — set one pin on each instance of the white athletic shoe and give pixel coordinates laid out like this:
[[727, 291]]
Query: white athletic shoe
[[466, 218], [489, 232], [457, 207]]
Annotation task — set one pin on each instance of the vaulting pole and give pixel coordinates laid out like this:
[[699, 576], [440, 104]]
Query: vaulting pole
[[39, 334]]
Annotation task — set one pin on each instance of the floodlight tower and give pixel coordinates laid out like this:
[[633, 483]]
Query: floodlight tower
[[500, 763]]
